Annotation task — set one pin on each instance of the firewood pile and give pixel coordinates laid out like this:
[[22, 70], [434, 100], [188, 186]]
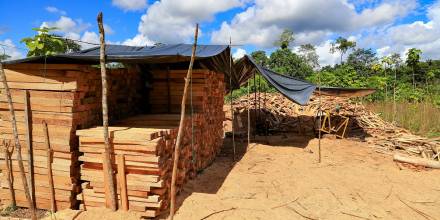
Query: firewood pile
[[283, 115]]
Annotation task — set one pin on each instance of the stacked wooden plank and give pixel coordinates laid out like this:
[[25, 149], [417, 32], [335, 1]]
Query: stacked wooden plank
[[147, 143], [66, 97]]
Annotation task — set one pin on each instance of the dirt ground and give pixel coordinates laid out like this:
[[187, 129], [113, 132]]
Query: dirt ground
[[282, 179]]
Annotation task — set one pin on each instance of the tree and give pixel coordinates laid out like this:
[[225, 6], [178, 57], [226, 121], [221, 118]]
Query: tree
[[286, 62], [362, 60], [285, 39], [342, 45], [260, 57], [412, 60], [387, 62], [4, 57], [308, 54], [45, 43]]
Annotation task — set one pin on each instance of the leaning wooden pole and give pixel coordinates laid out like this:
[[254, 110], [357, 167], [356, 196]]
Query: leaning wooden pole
[[320, 117], [109, 174], [248, 115], [49, 168], [180, 131], [17, 144]]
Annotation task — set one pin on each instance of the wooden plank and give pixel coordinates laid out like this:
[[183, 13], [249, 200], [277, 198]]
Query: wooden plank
[[122, 181]]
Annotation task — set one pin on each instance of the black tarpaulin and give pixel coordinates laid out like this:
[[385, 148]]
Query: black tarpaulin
[[298, 91]]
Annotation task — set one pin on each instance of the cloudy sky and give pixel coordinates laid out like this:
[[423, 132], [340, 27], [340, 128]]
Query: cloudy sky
[[387, 26]]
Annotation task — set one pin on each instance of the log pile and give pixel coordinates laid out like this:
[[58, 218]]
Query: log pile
[[147, 144], [283, 115], [66, 97]]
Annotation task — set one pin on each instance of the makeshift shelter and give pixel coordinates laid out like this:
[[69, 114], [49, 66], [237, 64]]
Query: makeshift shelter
[[144, 97]]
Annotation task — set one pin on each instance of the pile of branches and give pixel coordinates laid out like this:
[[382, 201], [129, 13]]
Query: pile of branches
[[282, 114]]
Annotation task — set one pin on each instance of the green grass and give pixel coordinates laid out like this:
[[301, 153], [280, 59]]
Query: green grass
[[421, 118]]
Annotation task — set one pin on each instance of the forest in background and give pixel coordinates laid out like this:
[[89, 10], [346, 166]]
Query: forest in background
[[407, 88]]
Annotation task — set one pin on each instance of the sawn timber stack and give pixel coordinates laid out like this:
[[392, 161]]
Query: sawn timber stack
[[147, 144]]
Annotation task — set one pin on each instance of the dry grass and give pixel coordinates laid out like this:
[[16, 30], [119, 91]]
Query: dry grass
[[420, 118]]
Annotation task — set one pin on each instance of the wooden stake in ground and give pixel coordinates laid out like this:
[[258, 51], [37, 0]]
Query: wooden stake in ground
[[320, 117], [111, 189], [17, 143], [248, 114], [8, 161], [122, 181], [49, 168], [28, 122], [179, 133], [232, 107]]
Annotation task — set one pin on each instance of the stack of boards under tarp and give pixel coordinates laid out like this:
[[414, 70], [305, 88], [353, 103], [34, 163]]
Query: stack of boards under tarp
[[146, 143], [66, 97]]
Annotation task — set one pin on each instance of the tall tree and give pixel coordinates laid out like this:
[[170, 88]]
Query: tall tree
[[342, 45], [412, 60], [286, 38], [308, 53], [45, 43], [289, 63], [260, 57], [386, 62], [361, 60]]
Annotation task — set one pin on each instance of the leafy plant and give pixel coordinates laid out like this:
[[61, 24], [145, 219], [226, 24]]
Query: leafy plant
[[45, 43]]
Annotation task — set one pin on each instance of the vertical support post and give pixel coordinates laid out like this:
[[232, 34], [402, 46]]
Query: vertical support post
[[107, 159], [232, 107], [180, 131], [320, 117], [28, 122], [120, 159], [248, 115], [17, 144], [255, 105], [49, 168]]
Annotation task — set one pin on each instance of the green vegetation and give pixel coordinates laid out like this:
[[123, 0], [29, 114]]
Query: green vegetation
[[45, 43], [409, 83]]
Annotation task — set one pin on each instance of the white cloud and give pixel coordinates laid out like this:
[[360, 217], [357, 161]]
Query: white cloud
[[239, 53], [130, 5], [418, 34], [90, 37], [10, 49], [325, 57], [261, 23], [108, 30], [138, 40], [67, 24], [55, 10], [172, 21]]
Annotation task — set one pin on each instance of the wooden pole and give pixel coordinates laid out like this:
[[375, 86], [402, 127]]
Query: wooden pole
[[255, 106], [180, 131], [28, 122], [109, 174], [248, 115], [10, 178], [17, 144], [232, 106], [49, 168], [122, 179], [320, 117]]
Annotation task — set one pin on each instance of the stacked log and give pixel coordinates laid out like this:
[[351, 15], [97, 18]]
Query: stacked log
[[66, 97], [282, 115], [147, 143]]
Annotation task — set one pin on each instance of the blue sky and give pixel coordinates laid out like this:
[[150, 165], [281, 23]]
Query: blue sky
[[387, 26]]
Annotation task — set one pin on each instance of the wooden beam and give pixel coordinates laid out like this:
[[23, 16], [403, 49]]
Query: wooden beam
[[53, 205], [107, 165], [120, 158], [8, 161], [28, 123], [17, 144], [179, 133]]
